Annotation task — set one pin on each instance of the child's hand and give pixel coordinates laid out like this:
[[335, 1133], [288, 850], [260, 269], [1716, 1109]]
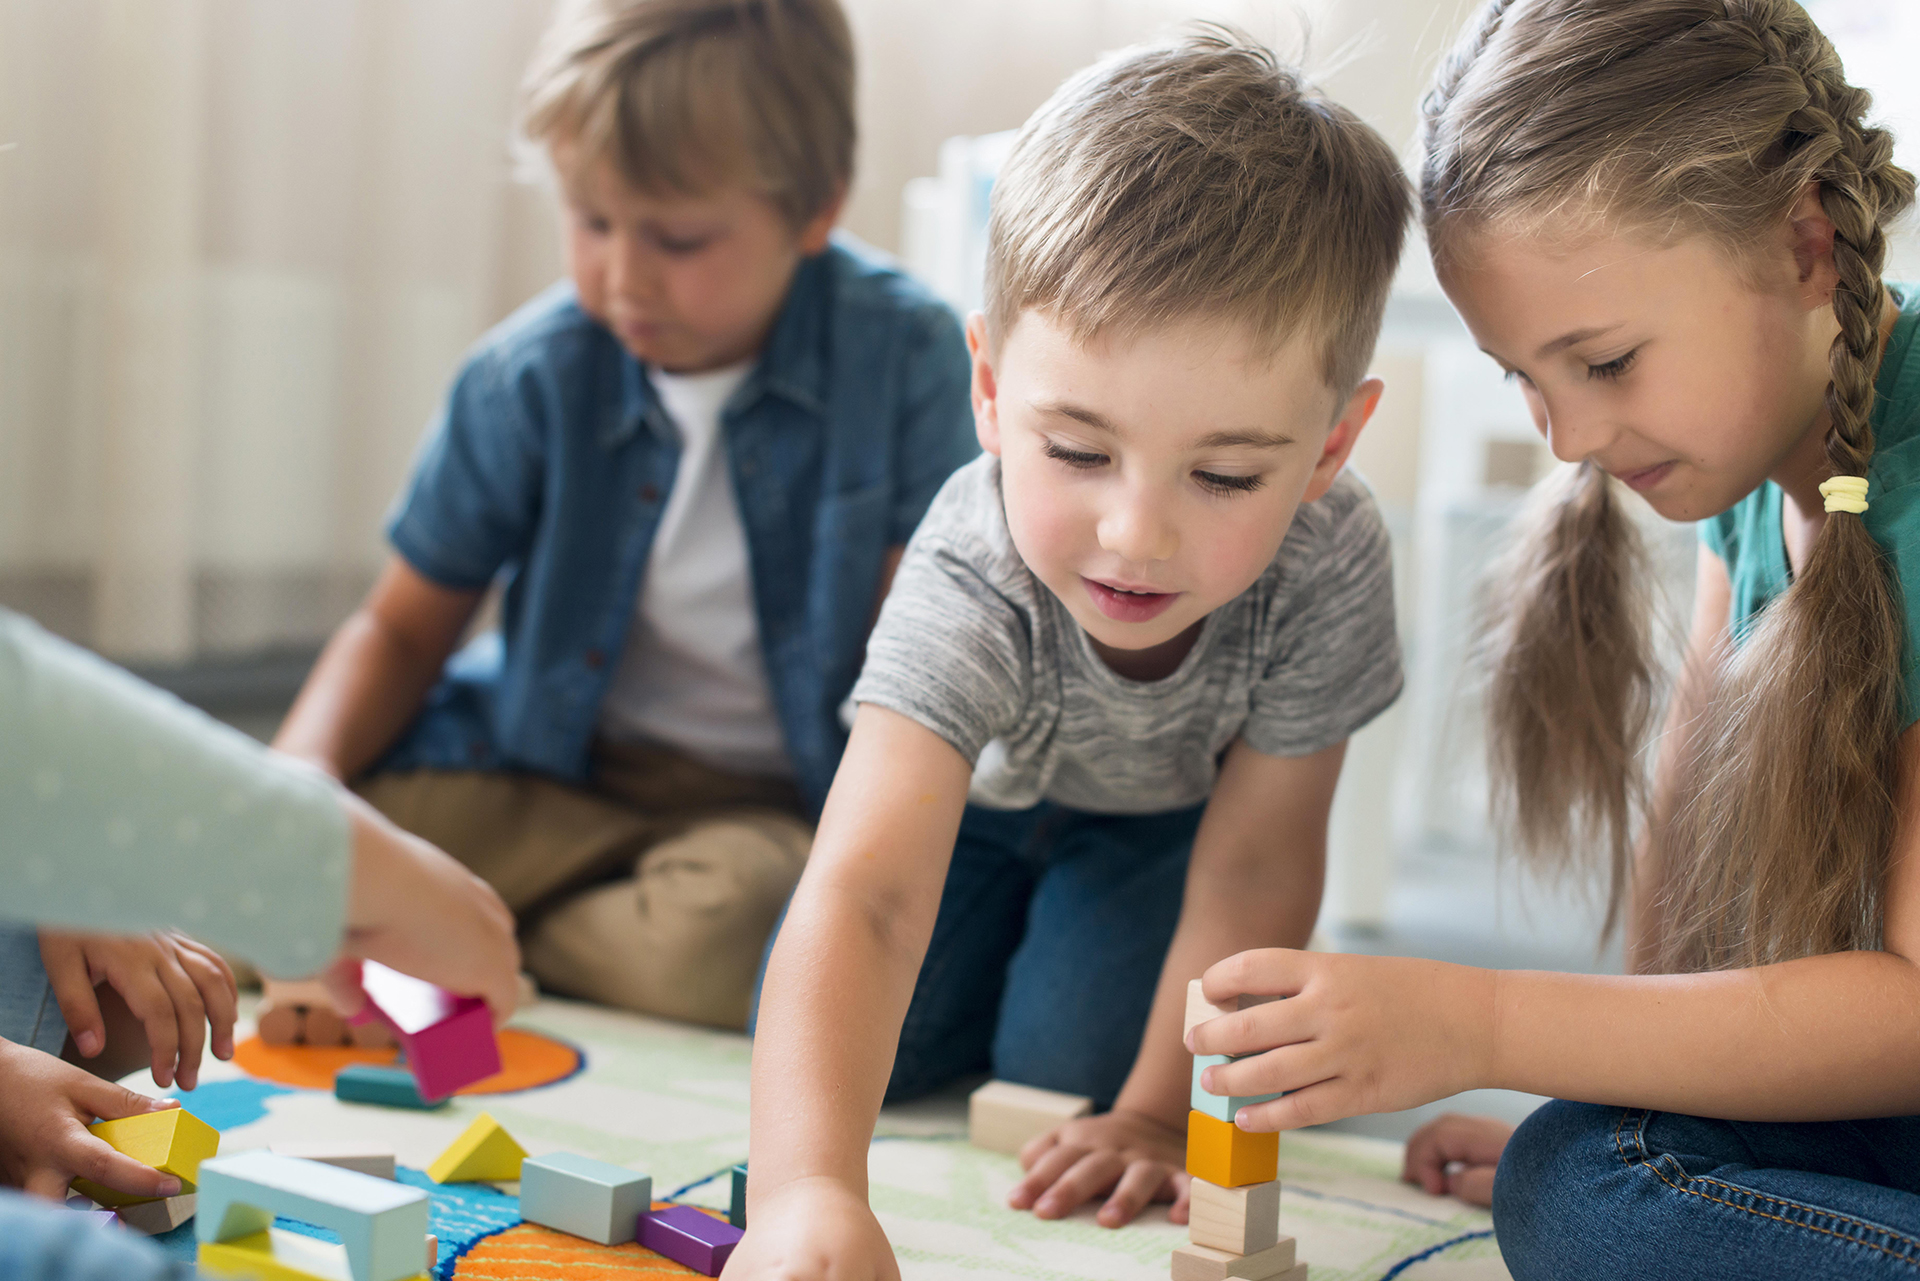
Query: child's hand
[[815, 1229], [1128, 1157], [1457, 1154], [45, 1108], [1358, 1034], [173, 985]]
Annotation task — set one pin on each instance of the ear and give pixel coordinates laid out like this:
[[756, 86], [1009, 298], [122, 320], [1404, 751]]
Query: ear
[[813, 236], [1343, 437], [1810, 235], [986, 387]]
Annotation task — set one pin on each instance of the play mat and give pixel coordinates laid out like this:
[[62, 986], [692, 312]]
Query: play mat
[[671, 1101]]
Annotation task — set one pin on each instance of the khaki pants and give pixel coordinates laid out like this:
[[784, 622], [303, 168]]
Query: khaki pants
[[653, 889]]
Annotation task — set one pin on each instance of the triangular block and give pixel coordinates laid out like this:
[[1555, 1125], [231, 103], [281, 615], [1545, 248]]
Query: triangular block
[[172, 1141], [484, 1154]]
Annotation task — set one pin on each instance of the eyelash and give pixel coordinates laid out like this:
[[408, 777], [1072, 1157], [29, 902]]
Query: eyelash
[[1613, 369], [1211, 481]]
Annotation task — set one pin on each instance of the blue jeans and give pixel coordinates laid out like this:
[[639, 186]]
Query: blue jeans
[[28, 1013], [1587, 1192], [1052, 929]]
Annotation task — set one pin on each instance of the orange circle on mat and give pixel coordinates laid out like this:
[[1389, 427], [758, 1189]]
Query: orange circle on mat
[[529, 1250], [528, 1059]]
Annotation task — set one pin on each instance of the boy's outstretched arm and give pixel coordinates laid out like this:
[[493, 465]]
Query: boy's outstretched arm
[[1259, 860], [376, 671], [835, 995]]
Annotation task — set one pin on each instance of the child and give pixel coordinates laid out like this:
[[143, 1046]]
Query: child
[[124, 810], [1138, 633], [693, 466], [1666, 218]]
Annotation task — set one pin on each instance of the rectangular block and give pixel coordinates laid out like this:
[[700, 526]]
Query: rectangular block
[[448, 1039], [388, 1087], [1198, 1263], [1200, 1009], [151, 1218], [1219, 1106], [1223, 1153], [737, 1202], [1244, 1220], [688, 1236], [1002, 1116], [381, 1223], [588, 1198], [364, 1158], [278, 1255], [174, 1142]]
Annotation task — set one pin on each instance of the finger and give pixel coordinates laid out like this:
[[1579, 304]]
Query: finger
[[342, 981], [1055, 1162], [66, 965], [1091, 1176], [1139, 1183], [109, 1102], [45, 1181], [147, 999], [1290, 1067], [1316, 1104], [1474, 1185], [1252, 1030], [1182, 1185], [219, 994], [1266, 971], [1425, 1164], [189, 1016], [89, 1158], [1037, 1146]]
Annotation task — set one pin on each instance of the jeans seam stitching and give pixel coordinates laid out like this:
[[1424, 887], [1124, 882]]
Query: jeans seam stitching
[[1649, 1164]]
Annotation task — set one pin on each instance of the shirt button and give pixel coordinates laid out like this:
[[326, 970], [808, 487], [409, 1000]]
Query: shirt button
[[596, 659], [649, 493]]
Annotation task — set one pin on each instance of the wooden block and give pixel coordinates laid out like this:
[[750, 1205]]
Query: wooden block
[[1198, 1263], [295, 992], [485, 1153], [1200, 1009], [1243, 1220], [325, 1028], [588, 1198], [279, 1023], [151, 1218], [687, 1236], [372, 1035], [365, 1158], [448, 1039], [381, 1223], [737, 1203], [433, 1251], [389, 1087], [1223, 1153], [174, 1142], [1002, 1116], [1221, 1107]]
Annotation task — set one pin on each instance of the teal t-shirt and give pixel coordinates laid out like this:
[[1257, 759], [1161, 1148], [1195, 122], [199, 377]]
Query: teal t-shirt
[[1748, 537]]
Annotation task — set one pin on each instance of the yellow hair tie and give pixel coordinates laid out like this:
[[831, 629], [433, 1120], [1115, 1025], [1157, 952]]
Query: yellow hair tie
[[1845, 494]]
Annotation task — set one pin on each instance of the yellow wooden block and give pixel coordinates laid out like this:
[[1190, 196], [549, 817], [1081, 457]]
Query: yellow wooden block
[[174, 1142], [484, 1154], [278, 1255], [1223, 1153]]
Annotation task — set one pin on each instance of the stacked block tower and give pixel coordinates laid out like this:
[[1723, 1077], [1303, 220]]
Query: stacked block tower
[[1234, 1223]]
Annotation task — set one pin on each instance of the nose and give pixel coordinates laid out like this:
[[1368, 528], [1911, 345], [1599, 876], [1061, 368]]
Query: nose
[[1137, 526], [1574, 433], [629, 267]]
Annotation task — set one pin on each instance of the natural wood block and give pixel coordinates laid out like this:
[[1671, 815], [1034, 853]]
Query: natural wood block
[[325, 1028], [295, 991], [280, 1023], [151, 1218], [366, 1158], [372, 1035], [1002, 1116], [1243, 1220], [1198, 1263], [1223, 1153], [433, 1251]]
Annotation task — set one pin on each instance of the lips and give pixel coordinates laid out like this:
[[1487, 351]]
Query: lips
[[1645, 478], [1126, 605]]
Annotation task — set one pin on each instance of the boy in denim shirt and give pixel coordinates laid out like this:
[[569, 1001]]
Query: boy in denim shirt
[[692, 466]]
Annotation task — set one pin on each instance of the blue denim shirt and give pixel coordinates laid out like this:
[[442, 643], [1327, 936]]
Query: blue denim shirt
[[550, 464]]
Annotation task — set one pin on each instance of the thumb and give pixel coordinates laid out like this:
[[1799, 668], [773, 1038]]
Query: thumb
[[109, 1102]]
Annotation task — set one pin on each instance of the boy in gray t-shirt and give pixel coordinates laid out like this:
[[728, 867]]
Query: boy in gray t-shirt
[[1136, 635]]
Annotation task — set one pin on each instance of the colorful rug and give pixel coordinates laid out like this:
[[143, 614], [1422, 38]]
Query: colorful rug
[[672, 1101]]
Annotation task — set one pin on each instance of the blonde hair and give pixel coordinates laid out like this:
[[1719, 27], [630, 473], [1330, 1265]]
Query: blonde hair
[[681, 94], [1675, 118], [1200, 177]]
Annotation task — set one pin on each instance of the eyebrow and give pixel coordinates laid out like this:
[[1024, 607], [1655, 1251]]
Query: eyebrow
[[1565, 341], [1245, 437]]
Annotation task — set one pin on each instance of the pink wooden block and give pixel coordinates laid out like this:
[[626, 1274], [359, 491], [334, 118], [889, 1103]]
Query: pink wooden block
[[448, 1039], [687, 1236]]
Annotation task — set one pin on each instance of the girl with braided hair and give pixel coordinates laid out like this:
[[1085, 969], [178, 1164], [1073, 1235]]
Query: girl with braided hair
[[1666, 219]]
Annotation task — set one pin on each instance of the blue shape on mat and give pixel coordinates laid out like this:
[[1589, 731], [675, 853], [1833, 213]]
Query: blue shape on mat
[[226, 1104]]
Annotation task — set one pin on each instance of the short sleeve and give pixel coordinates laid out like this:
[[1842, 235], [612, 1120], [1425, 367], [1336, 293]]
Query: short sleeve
[[949, 650], [1335, 662], [936, 419], [1717, 535], [473, 500], [124, 809]]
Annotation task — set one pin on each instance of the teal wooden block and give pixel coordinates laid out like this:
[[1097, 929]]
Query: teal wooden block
[[737, 1205], [381, 1223], [1219, 1106], [583, 1196], [389, 1087]]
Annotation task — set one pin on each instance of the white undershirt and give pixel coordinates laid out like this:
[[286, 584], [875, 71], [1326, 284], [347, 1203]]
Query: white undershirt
[[692, 676]]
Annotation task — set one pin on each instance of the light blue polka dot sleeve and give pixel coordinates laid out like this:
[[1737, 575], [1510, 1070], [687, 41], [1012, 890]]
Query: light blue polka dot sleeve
[[121, 808]]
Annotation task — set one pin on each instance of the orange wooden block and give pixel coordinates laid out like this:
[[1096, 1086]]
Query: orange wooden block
[[1222, 1153]]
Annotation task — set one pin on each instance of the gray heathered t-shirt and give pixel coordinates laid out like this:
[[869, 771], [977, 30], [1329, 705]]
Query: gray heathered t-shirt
[[973, 646]]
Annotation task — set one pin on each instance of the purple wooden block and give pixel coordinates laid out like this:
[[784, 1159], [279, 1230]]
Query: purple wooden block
[[687, 1236]]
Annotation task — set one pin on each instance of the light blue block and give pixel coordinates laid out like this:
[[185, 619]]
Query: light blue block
[[381, 1223], [1221, 1107], [583, 1196]]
